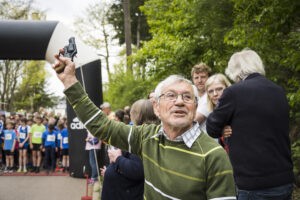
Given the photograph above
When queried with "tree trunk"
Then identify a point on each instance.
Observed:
(106, 51)
(127, 25)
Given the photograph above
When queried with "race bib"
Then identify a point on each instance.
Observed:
(51, 138)
(8, 136)
(37, 134)
(22, 135)
(59, 136)
(66, 140)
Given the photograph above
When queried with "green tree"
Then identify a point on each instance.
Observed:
(96, 31)
(139, 26)
(14, 94)
(30, 94)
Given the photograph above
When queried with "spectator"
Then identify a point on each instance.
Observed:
(49, 146)
(200, 74)
(93, 146)
(168, 150)
(23, 138)
(105, 107)
(35, 136)
(124, 176)
(214, 87)
(65, 148)
(258, 113)
(9, 137)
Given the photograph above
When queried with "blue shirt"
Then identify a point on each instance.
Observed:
(23, 133)
(49, 139)
(65, 138)
(59, 137)
(9, 138)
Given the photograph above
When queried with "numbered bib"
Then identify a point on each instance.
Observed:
(8, 136)
(37, 134)
(59, 136)
(22, 135)
(51, 138)
(65, 140)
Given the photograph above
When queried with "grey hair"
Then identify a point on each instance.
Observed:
(171, 80)
(243, 63)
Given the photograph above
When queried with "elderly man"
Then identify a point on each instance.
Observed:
(259, 146)
(180, 162)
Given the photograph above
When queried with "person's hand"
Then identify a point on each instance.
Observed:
(12, 150)
(227, 131)
(21, 145)
(67, 77)
(31, 146)
(113, 154)
(102, 171)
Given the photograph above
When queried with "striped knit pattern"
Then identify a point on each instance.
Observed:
(172, 170)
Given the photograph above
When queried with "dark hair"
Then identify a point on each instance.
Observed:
(120, 115)
(51, 127)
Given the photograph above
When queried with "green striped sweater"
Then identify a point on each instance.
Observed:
(172, 170)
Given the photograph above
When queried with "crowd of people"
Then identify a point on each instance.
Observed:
(203, 138)
(250, 157)
(30, 142)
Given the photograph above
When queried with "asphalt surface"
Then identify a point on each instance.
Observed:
(41, 188)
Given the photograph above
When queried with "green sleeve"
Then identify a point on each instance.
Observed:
(220, 181)
(115, 133)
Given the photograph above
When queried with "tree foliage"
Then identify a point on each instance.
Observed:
(96, 31)
(14, 94)
(186, 32)
(139, 25)
(30, 94)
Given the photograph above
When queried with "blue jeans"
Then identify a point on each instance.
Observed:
(283, 192)
(93, 164)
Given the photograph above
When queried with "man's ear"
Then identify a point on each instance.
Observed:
(156, 108)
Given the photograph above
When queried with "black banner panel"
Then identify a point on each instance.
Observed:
(89, 76)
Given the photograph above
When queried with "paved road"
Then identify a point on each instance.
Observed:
(41, 188)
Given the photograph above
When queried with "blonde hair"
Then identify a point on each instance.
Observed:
(244, 63)
(216, 78)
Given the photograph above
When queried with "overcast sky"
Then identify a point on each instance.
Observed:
(66, 12)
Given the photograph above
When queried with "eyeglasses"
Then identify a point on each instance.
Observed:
(171, 96)
(217, 90)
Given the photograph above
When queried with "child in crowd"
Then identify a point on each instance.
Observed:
(93, 146)
(23, 138)
(60, 127)
(49, 146)
(9, 137)
(64, 145)
(35, 136)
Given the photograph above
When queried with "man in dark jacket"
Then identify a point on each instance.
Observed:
(258, 113)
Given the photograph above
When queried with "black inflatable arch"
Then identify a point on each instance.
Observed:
(40, 40)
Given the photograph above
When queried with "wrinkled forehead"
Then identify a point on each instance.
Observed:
(178, 87)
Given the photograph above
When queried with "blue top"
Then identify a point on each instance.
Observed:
(1, 126)
(23, 133)
(49, 139)
(65, 138)
(9, 138)
(58, 137)
(124, 179)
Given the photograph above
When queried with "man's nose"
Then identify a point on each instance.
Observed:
(179, 99)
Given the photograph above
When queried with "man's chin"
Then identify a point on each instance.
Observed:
(180, 124)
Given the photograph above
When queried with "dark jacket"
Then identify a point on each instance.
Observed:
(259, 148)
(124, 179)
